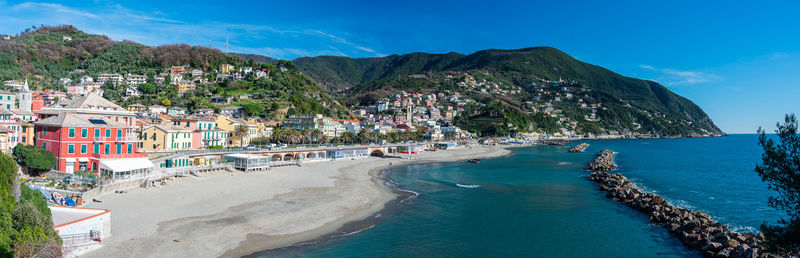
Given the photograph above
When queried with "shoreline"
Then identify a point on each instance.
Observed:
(260, 211)
(358, 226)
(355, 226)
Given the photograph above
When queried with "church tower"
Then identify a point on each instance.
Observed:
(25, 98)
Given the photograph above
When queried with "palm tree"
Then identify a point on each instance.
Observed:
(241, 132)
(316, 136)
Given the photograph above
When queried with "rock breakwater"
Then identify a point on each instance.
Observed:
(604, 161)
(579, 148)
(694, 228)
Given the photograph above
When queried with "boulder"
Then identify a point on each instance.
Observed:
(712, 246)
(732, 243)
(724, 253)
(751, 253)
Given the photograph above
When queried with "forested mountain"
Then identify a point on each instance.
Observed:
(622, 104)
(45, 55)
(257, 58)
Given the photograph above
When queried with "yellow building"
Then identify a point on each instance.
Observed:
(229, 124)
(226, 68)
(165, 137)
(26, 137)
(186, 86)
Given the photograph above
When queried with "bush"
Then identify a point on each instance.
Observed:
(25, 215)
(35, 158)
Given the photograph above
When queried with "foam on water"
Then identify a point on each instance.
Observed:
(468, 186)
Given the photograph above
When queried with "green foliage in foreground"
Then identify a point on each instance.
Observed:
(26, 226)
(35, 158)
(781, 169)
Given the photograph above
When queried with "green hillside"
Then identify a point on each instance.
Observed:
(628, 104)
(47, 54)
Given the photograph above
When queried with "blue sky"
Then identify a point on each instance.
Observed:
(738, 60)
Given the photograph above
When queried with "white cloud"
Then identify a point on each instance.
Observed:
(156, 28)
(52, 7)
(670, 76)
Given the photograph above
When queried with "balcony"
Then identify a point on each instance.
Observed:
(127, 138)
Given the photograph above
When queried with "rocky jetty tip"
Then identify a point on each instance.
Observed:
(579, 148)
(694, 228)
(604, 161)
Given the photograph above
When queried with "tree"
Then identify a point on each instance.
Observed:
(148, 88)
(780, 168)
(253, 108)
(166, 102)
(241, 132)
(35, 158)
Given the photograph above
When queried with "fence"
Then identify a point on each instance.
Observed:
(77, 239)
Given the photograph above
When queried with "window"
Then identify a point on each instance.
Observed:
(119, 148)
(108, 132)
(96, 133)
(84, 132)
(70, 148)
(119, 133)
(72, 133)
(96, 148)
(130, 148)
(44, 145)
(107, 149)
(83, 148)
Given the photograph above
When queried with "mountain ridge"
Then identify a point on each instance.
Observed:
(520, 67)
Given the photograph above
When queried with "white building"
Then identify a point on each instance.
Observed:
(81, 229)
(112, 77)
(87, 79)
(13, 84)
(197, 73)
(135, 79)
(132, 92)
(8, 100)
(157, 109)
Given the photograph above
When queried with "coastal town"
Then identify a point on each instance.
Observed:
(141, 130)
(100, 147)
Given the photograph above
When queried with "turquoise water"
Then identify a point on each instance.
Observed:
(537, 202)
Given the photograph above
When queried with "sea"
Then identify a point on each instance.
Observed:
(537, 202)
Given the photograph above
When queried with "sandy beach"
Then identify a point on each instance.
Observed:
(234, 214)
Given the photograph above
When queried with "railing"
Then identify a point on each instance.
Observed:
(102, 139)
(182, 153)
(77, 239)
(127, 138)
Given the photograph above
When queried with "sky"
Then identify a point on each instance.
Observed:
(738, 60)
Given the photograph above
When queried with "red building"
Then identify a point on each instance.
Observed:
(177, 69)
(96, 143)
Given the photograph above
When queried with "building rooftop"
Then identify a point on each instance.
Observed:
(79, 120)
(63, 216)
(90, 102)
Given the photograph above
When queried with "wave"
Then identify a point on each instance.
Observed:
(468, 186)
(564, 163)
(740, 229)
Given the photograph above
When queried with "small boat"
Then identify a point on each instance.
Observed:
(473, 161)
